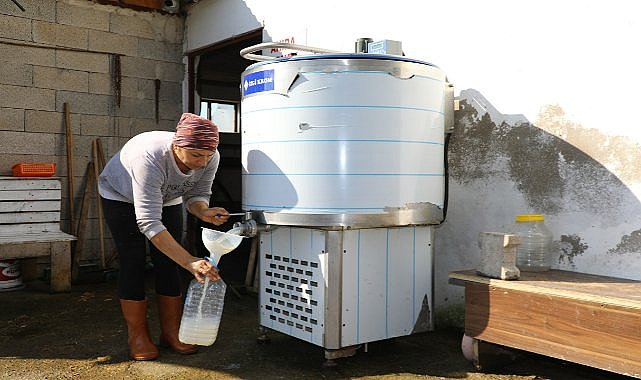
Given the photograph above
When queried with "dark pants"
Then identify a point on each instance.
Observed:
(132, 251)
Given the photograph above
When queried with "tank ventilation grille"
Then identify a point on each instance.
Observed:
(292, 299)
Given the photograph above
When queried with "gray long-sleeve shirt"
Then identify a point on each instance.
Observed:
(144, 172)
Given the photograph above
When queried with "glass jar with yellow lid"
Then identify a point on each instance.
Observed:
(534, 253)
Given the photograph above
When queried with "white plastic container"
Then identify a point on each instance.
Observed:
(204, 303)
(534, 253)
(202, 312)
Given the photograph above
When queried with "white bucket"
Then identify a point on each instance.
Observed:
(10, 276)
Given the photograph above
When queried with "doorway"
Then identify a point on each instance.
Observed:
(214, 75)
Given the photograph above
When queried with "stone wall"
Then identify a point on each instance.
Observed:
(120, 72)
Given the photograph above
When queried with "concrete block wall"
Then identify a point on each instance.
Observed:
(64, 51)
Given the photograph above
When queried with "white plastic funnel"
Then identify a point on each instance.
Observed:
(218, 243)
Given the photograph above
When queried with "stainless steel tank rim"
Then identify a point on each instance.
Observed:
(392, 218)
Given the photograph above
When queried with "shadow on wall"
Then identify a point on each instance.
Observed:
(553, 176)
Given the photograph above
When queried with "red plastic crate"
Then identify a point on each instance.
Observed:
(34, 169)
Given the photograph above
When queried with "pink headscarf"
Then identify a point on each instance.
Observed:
(196, 132)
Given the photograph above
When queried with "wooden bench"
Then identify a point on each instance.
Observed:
(582, 318)
(30, 225)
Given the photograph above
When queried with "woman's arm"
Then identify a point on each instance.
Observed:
(170, 247)
(213, 215)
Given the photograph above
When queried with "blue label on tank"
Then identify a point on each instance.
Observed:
(258, 81)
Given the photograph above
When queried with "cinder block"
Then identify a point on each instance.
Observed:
(159, 50)
(60, 79)
(49, 122)
(59, 35)
(12, 119)
(100, 83)
(113, 43)
(15, 28)
(498, 255)
(83, 61)
(147, 88)
(140, 26)
(150, 69)
(173, 28)
(28, 55)
(171, 91)
(21, 142)
(124, 126)
(150, 25)
(171, 72)
(16, 73)
(33, 9)
(85, 17)
(145, 125)
(93, 125)
(136, 108)
(27, 98)
(170, 110)
(83, 103)
(138, 67)
(129, 87)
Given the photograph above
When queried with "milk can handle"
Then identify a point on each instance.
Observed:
(247, 52)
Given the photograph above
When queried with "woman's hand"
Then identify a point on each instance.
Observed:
(214, 215)
(202, 268)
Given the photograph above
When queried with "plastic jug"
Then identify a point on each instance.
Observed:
(202, 312)
(534, 253)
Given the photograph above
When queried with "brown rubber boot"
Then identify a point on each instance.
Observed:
(170, 312)
(140, 345)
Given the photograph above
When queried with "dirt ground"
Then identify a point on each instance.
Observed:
(81, 335)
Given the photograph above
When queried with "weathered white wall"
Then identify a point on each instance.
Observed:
(568, 68)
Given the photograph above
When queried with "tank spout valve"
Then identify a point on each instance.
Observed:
(247, 228)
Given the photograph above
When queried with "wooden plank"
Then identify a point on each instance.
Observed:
(70, 177)
(18, 230)
(28, 195)
(25, 250)
(61, 266)
(566, 284)
(17, 239)
(596, 334)
(29, 183)
(101, 230)
(9, 219)
(21, 206)
(82, 222)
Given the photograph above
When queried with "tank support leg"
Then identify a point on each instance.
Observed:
(332, 355)
(262, 335)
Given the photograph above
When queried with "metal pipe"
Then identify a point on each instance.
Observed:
(18, 5)
(247, 52)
